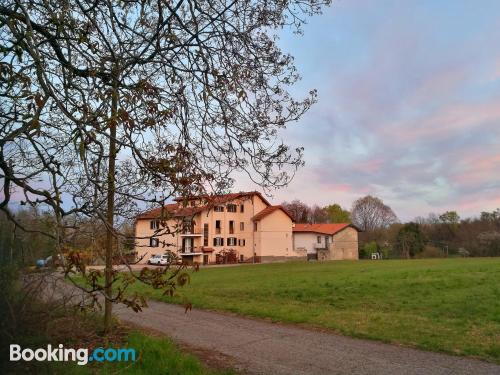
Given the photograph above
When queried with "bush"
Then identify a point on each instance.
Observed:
(369, 248)
(430, 252)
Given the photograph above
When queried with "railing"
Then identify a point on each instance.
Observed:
(191, 249)
(320, 246)
(190, 231)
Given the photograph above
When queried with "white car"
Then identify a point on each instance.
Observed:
(161, 260)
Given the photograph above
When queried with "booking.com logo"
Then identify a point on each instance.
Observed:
(80, 356)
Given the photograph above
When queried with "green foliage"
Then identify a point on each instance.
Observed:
(450, 217)
(368, 249)
(9, 299)
(155, 356)
(24, 248)
(336, 214)
(491, 216)
(410, 240)
(449, 305)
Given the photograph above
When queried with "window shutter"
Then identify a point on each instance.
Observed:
(215, 241)
(222, 241)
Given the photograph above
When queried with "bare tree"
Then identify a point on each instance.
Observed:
(299, 210)
(318, 215)
(110, 105)
(370, 213)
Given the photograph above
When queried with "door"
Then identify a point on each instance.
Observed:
(205, 259)
(187, 244)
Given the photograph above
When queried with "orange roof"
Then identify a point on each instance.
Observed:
(155, 213)
(172, 209)
(268, 210)
(322, 228)
(218, 199)
(177, 210)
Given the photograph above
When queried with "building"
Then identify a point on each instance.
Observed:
(201, 229)
(327, 241)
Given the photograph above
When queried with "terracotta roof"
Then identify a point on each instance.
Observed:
(218, 199)
(176, 210)
(322, 228)
(268, 210)
(172, 209)
(155, 213)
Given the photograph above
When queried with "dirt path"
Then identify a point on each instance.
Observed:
(259, 347)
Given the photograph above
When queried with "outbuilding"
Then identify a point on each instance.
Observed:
(327, 241)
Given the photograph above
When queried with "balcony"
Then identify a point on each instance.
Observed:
(320, 246)
(189, 232)
(191, 250)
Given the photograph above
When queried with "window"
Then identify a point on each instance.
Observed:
(231, 208)
(205, 234)
(255, 226)
(241, 242)
(217, 226)
(187, 226)
(242, 226)
(154, 224)
(318, 239)
(219, 208)
(231, 241)
(242, 208)
(154, 242)
(231, 226)
(218, 241)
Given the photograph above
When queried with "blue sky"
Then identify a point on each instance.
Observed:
(409, 106)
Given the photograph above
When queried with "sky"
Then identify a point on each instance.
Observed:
(409, 106)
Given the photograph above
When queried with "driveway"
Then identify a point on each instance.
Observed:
(260, 347)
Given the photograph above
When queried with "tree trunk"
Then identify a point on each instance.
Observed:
(108, 270)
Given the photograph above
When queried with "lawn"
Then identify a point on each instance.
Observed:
(154, 356)
(449, 305)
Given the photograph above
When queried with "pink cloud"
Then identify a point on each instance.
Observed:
(369, 166)
(444, 123)
(474, 169)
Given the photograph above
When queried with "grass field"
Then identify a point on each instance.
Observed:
(449, 305)
(154, 356)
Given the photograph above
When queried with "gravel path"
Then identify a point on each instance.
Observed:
(259, 347)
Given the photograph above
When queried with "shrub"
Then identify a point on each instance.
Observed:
(462, 252)
(430, 252)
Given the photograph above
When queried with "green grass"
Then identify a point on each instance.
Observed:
(449, 305)
(154, 356)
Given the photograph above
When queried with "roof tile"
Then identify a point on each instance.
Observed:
(322, 228)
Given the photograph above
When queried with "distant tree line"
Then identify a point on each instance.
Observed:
(367, 213)
(303, 213)
(437, 235)
(84, 235)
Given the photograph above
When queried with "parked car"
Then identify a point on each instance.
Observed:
(58, 262)
(162, 260)
(155, 259)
